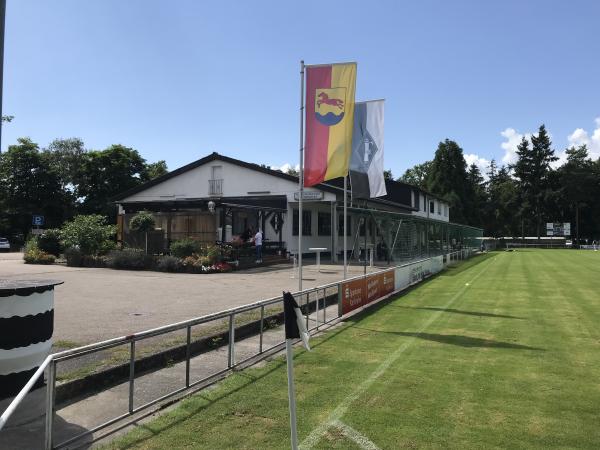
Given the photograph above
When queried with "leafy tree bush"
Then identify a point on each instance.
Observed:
(89, 233)
(143, 222)
(169, 264)
(74, 257)
(49, 242)
(38, 257)
(130, 258)
(184, 247)
(212, 253)
(29, 185)
(31, 245)
(33, 254)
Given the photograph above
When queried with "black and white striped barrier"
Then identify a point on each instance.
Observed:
(26, 326)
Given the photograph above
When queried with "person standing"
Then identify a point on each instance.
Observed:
(258, 237)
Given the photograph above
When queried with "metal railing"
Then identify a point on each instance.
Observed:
(316, 297)
(215, 187)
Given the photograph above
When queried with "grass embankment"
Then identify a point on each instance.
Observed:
(501, 351)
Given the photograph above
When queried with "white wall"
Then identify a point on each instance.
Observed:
(444, 216)
(237, 182)
(314, 240)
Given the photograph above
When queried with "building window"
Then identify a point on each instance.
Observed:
(324, 224)
(306, 223)
(432, 207)
(341, 226)
(439, 209)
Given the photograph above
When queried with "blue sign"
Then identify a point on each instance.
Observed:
(38, 221)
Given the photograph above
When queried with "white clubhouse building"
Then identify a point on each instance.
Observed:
(217, 198)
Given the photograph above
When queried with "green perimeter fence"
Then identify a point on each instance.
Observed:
(403, 237)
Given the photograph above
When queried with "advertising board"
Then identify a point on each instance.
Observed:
(408, 275)
(357, 293)
(353, 295)
(360, 292)
(558, 229)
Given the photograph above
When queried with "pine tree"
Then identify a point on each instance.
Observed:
(476, 196)
(532, 169)
(576, 182)
(492, 170)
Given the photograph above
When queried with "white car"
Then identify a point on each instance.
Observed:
(4, 244)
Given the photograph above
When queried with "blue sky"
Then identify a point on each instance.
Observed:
(180, 79)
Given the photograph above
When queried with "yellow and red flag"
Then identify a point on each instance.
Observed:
(329, 121)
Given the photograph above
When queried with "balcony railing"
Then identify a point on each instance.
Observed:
(215, 187)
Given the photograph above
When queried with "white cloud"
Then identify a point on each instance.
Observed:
(480, 162)
(513, 139)
(285, 167)
(581, 136)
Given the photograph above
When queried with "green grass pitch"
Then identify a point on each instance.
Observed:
(500, 352)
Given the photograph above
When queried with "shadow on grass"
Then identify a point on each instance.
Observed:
(449, 271)
(458, 311)
(459, 340)
(152, 429)
(181, 415)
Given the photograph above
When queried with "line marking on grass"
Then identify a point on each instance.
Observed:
(359, 439)
(313, 438)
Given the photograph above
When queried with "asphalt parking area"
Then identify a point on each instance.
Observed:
(97, 304)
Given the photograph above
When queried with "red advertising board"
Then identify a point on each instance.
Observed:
(353, 295)
(357, 293)
(379, 284)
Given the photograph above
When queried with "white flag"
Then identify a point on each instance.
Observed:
(366, 163)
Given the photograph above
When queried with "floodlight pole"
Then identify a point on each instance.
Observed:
(301, 176)
(345, 224)
(2, 26)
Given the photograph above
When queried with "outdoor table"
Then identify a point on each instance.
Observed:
(318, 250)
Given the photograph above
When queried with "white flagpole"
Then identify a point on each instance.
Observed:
(291, 392)
(300, 179)
(345, 225)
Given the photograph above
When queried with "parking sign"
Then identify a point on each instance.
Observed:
(38, 220)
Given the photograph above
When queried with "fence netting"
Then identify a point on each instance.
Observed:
(403, 237)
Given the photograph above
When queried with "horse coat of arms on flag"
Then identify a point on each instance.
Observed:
(330, 105)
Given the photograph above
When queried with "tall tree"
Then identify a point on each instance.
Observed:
(577, 187)
(155, 170)
(387, 174)
(533, 169)
(492, 170)
(66, 157)
(417, 175)
(29, 186)
(105, 174)
(502, 200)
(447, 178)
(475, 199)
